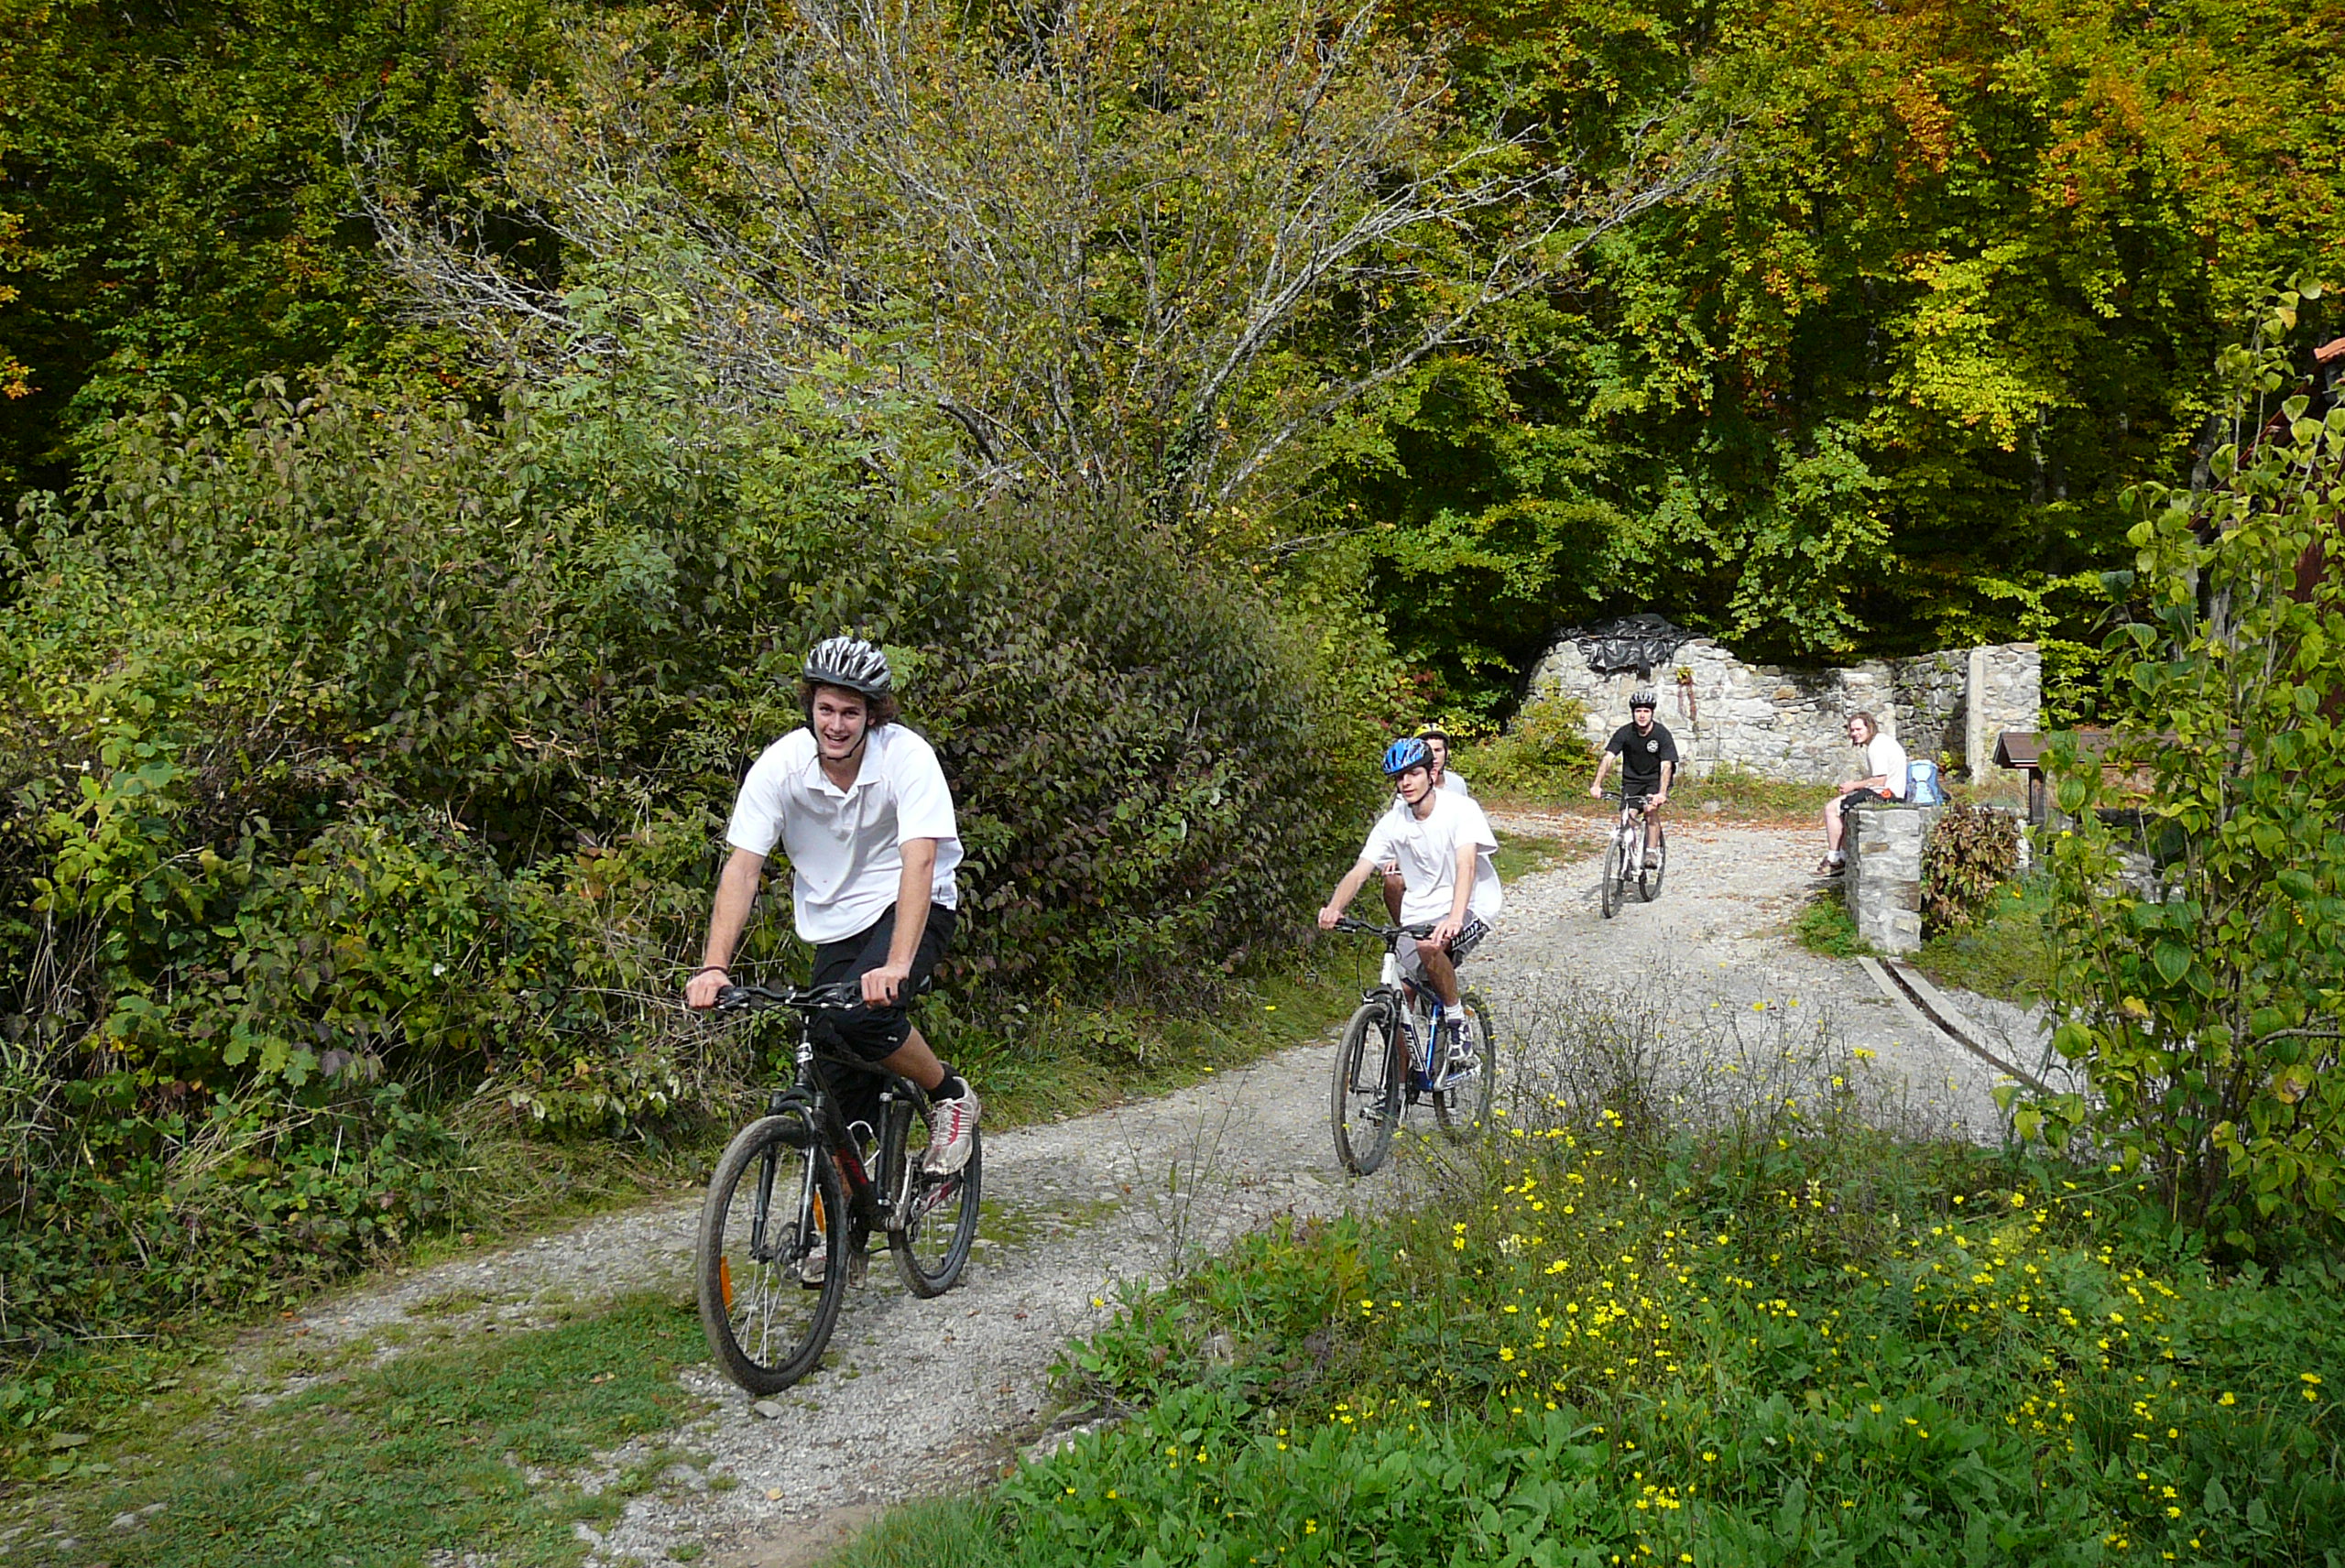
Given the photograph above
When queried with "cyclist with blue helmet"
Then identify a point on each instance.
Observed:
(1443, 845)
(1436, 740)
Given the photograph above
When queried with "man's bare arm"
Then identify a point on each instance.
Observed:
(736, 895)
(881, 986)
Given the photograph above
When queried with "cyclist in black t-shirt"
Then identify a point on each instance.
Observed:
(1647, 762)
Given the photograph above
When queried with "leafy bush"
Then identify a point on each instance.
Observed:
(1543, 751)
(359, 743)
(1971, 852)
(2201, 986)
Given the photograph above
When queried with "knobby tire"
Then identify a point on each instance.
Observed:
(1649, 879)
(1464, 1108)
(1367, 1078)
(936, 1215)
(765, 1327)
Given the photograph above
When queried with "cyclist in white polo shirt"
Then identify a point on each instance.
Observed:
(861, 807)
(1443, 845)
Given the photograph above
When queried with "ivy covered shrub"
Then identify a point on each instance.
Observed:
(1971, 852)
(367, 757)
(1543, 751)
(2200, 929)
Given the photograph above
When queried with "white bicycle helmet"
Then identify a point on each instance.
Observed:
(1643, 697)
(851, 664)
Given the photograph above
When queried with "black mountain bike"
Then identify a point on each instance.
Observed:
(792, 1207)
(1627, 840)
(1384, 1064)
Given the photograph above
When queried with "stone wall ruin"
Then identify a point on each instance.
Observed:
(1787, 723)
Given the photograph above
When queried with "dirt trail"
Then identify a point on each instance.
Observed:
(927, 1396)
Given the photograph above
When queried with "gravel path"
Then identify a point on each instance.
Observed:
(929, 1396)
(1716, 940)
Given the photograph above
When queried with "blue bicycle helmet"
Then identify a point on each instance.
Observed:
(1404, 754)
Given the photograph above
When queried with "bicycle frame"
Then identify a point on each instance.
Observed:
(1631, 815)
(1400, 995)
(810, 1100)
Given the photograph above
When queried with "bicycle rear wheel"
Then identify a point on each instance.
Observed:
(1649, 879)
(1463, 1106)
(773, 1204)
(936, 1217)
(1365, 1099)
(1611, 887)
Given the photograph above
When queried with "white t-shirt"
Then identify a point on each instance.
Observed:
(846, 846)
(1884, 755)
(1426, 848)
(1454, 783)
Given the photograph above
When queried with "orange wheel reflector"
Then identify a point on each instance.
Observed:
(724, 1282)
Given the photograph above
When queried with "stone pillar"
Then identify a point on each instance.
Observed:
(1884, 882)
(1978, 745)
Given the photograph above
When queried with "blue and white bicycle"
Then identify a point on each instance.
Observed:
(1390, 1058)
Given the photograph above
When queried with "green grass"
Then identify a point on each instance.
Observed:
(1739, 796)
(1824, 926)
(1521, 853)
(2008, 954)
(383, 1465)
(1916, 1351)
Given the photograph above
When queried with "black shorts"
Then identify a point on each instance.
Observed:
(1636, 795)
(868, 1034)
(1855, 798)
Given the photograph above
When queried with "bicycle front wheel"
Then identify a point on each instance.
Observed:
(1462, 1105)
(773, 1217)
(1365, 1101)
(1611, 886)
(934, 1217)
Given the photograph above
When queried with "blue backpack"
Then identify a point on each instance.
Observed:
(1922, 785)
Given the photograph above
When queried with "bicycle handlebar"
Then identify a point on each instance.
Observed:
(1388, 933)
(806, 998)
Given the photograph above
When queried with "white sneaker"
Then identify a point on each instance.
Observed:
(953, 1127)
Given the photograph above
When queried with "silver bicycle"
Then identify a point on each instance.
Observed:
(1627, 849)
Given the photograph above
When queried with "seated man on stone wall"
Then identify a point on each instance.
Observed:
(1885, 780)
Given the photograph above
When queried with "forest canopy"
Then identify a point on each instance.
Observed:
(1821, 327)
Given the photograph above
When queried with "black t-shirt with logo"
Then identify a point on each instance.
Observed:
(1642, 756)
